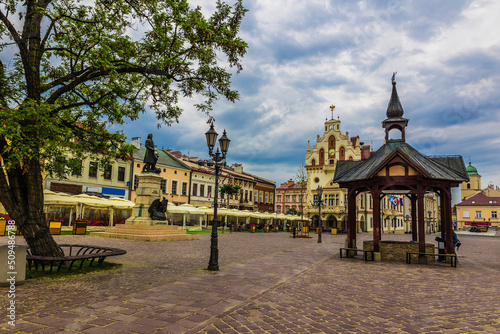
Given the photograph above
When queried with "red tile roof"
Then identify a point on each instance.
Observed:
(481, 199)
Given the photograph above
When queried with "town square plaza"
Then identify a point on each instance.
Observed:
(267, 283)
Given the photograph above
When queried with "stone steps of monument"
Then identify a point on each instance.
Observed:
(145, 237)
(146, 230)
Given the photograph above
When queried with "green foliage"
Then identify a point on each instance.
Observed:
(230, 189)
(294, 212)
(80, 68)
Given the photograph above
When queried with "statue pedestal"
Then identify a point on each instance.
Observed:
(140, 226)
(147, 191)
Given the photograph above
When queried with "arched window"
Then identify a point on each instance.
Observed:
(331, 142)
(313, 162)
(468, 185)
(351, 158)
(321, 157)
(342, 153)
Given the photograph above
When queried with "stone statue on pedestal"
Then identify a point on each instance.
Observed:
(151, 156)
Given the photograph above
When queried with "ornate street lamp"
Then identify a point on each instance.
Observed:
(320, 201)
(219, 159)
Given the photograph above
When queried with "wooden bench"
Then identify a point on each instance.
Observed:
(80, 227)
(453, 257)
(365, 252)
(71, 254)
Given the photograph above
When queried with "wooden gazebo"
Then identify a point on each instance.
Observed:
(398, 168)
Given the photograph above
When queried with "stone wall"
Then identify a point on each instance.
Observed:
(396, 250)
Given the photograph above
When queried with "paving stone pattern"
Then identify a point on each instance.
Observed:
(268, 283)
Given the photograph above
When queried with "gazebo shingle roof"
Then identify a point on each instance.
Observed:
(449, 168)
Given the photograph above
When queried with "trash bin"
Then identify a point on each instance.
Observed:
(334, 230)
(441, 250)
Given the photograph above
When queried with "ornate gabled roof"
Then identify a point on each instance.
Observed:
(449, 168)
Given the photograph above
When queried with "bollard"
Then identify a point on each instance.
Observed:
(12, 265)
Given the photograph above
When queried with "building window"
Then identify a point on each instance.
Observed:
(250, 196)
(342, 153)
(321, 157)
(163, 186)
(468, 185)
(494, 214)
(260, 196)
(93, 169)
(267, 198)
(331, 142)
(279, 198)
(195, 189)
(209, 191)
(136, 182)
(174, 188)
(466, 214)
(184, 188)
(107, 172)
(288, 198)
(331, 200)
(478, 214)
(202, 190)
(246, 195)
(313, 162)
(121, 173)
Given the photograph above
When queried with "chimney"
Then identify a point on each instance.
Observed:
(238, 168)
(290, 182)
(136, 141)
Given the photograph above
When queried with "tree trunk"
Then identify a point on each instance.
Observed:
(22, 196)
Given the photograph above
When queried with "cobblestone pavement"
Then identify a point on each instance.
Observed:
(268, 283)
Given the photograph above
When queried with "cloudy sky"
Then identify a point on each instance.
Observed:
(304, 56)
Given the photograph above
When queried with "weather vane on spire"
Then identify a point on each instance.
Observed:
(332, 107)
(394, 77)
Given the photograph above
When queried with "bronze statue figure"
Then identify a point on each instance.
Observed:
(151, 156)
(158, 208)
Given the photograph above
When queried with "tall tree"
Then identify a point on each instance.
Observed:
(80, 66)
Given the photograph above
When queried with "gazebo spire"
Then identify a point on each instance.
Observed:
(394, 109)
(395, 119)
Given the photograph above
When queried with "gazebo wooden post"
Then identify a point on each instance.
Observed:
(443, 212)
(420, 217)
(376, 221)
(447, 221)
(414, 217)
(351, 218)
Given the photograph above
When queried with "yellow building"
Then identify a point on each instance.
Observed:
(478, 207)
(479, 210)
(474, 185)
(320, 161)
(113, 181)
(175, 174)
